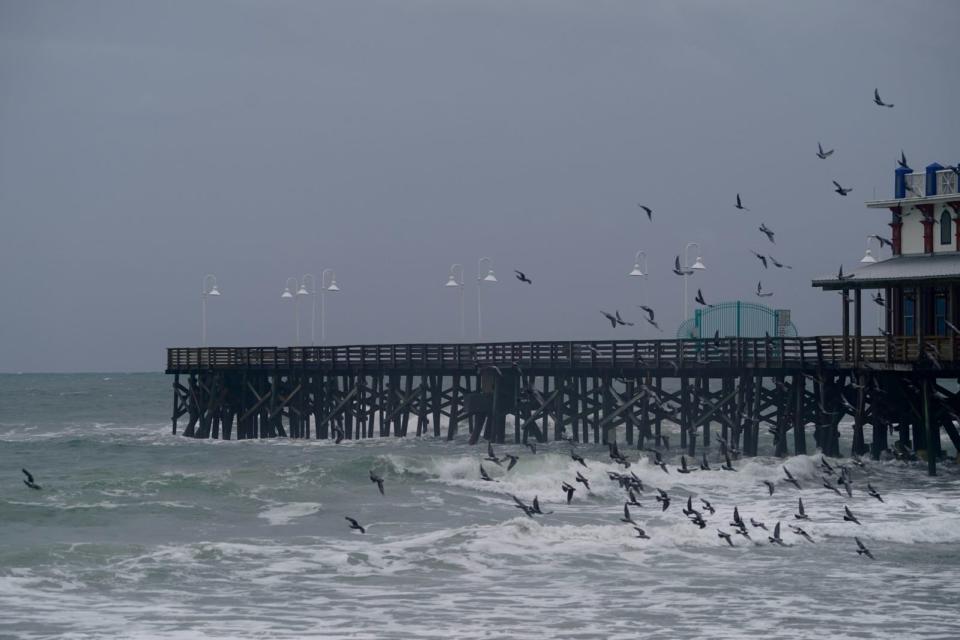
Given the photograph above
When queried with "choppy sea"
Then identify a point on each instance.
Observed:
(137, 533)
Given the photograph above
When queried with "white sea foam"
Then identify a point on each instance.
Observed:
(283, 513)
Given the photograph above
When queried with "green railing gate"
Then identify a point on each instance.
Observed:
(738, 320)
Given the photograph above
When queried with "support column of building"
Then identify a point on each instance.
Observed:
(846, 320)
(896, 227)
(857, 323)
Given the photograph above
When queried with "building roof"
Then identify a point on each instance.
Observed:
(898, 269)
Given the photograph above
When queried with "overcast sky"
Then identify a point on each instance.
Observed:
(145, 144)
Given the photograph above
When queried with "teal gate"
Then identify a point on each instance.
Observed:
(738, 320)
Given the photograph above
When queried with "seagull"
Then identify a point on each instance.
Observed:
(699, 299)
(779, 265)
(801, 532)
(704, 464)
(728, 465)
(770, 486)
(823, 155)
(512, 458)
(29, 480)
(577, 458)
(775, 538)
(491, 456)
(848, 515)
(884, 242)
(339, 432)
(647, 310)
(761, 293)
(737, 521)
(761, 258)
(536, 507)
(826, 483)
(877, 101)
(611, 318)
(698, 520)
(725, 536)
(378, 480)
(862, 550)
(873, 492)
(840, 275)
(355, 525)
(790, 478)
(663, 499)
(708, 506)
(621, 321)
(527, 510)
(484, 476)
(739, 204)
(569, 490)
(658, 460)
(802, 515)
(683, 465)
(648, 211)
(641, 533)
(902, 162)
(653, 324)
(633, 498)
(766, 231)
(583, 480)
(842, 191)
(532, 447)
(676, 267)
(522, 277)
(626, 515)
(689, 510)
(878, 299)
(756, 524)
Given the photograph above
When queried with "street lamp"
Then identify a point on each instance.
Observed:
(204, 292)
(306, 291)
(689, 269)
(324, 287)
(294, 294)
(487, 278)
(640, 259)
(868, 256)
(452, 281)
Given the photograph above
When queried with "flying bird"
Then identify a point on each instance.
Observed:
(878, 299)
(862, 549)
(708, 506)
(29, 481)
(775, 538)
(677, 269)
(826, 483)
(884, 242)
(737, 521)
(484, 476)
(699, 299)
(648, 211)
(522, 277)
(527, 510)
(728, 465)
(877, 101)
(761, 258)
(841, 190)
(378, 480)
(801, 515)
(611, 318)
(663, 499)
(756, 524)
(823, 155)
(704, 464)
(641, 533)
(801, 532)
(873, 492)
(840, 275)
(647, 310)
(770, 486)
(583, 480)
(739, 204)
(621, 320)
(626, 515)
(683, 465)
(491, 456)
(512, 458)
(725, 536)
(658, 460)
(779, 265)
(790, 478)
(355, 525)
(578, 458)
(848, 515)
(766, 231)
(761, 293)
(902, 162)
(569, 490)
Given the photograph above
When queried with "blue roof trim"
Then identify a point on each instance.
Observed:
(899, 187)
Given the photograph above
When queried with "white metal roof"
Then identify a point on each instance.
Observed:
(935, 266)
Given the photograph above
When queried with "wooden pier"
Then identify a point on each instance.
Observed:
(743, 389)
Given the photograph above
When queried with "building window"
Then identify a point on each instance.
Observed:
(940, 312)
(946, 228)
(909, 313)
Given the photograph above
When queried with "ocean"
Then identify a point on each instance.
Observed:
(137, 533)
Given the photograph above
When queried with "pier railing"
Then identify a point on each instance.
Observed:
(620, 354)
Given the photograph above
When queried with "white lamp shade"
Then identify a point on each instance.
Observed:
(286, 293)
(214, 291)
(302, 291)
(868, 257)
(637, 271)
(333, 285)
(698, 264)
(452, 282)
(490, 277)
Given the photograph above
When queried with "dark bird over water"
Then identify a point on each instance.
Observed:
(641, 533)
(663, 499)
(775, 538)
(761, 258)
(877, 101)
(902, 162)
(737, 520)
(727, 466)
(658, 460)
(512, 458)
(491, 456)
(790, 478)
(648, 211)
(862, 549)
(840, 275)
(577, 458)
(354, 524)
(704, 464)
(708, 506)
(739, 204)
(823, 155)
(873, 492)
(527, 510)
(826, 483)
(766, 231)
(770, 486)
(848, 515)
(801, 532)
(29, 480)
(725, 536)
(569, 490)
(756, 524)
(378, 480)
(626, 515)
(522, 277)
(801, 514)
(683, 465)
(698, 520)
(484, 476)
(583, 480)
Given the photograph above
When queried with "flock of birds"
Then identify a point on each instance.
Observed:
(634, 487)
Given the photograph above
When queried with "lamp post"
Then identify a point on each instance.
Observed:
(452, 281)
(324, 287)
(640, 259)
(204, 292)
(869, 259)
(688, 270)
(487, 278)
(295, 296)
(310, 291)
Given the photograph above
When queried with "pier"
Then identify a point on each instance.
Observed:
(742, 389)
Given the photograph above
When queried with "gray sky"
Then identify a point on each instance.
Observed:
(144, 144)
